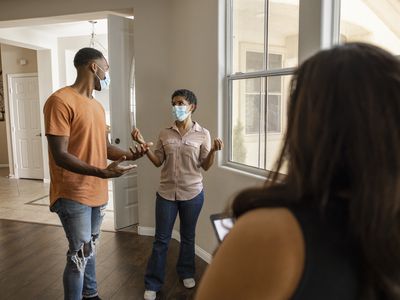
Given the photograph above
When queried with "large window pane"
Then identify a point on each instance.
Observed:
(247, 32)
(376, 22)
(283, 33)
(252, 112)
(248, 136)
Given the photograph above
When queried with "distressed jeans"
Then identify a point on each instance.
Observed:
(166, 212)
(82, 228)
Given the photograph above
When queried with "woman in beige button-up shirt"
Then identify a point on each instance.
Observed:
(181, 150)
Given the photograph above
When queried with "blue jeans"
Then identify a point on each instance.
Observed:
(82, 228)
(166, 212)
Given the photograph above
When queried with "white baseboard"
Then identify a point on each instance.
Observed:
(200, 252)
(3, 165)
(147, 231)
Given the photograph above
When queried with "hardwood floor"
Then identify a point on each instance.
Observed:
(32, 259)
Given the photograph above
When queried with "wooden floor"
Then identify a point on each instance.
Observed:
(32, 259)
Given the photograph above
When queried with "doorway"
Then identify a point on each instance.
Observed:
(25, 125)
(123, 204)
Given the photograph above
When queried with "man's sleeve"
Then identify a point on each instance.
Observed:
(57, 117)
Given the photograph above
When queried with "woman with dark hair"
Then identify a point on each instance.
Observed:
(182, 149)
(330, 229)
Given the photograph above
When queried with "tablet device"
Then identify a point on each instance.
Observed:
(222, 224)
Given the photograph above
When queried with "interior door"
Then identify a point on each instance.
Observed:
(25, 125)
(120, 56)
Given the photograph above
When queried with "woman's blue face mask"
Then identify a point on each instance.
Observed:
(180, 113)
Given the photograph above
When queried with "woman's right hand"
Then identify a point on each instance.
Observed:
(137, 136)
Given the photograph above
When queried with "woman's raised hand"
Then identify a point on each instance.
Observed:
(137, 136)
(218, 144)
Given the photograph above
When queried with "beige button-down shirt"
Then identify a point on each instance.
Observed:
(182, 157)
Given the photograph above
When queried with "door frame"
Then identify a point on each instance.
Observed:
(12, 119)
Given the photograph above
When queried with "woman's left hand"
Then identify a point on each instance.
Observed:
(217, 145)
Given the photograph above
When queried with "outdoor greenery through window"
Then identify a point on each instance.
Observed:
(263, 47)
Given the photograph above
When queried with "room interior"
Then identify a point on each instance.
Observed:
(176, 44)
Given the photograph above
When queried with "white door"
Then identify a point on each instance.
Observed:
(120, 55)
(25, 125)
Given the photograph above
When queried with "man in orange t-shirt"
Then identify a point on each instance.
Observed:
(78, 152)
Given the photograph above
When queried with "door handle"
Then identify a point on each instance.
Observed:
(117, 140)
(40, 134)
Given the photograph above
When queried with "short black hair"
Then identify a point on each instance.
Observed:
(188, 95)
(86, 55)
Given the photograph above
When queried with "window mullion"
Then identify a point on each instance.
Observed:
(265, 111)
(266, 16)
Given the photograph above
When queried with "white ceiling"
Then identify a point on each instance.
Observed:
(78, 28)
(68, 25)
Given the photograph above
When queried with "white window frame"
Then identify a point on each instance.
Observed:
(318, 29)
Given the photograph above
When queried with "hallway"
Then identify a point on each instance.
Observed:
(27, 200)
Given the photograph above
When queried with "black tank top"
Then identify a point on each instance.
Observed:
(331, 269)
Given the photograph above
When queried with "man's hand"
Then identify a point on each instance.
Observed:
(116, 170)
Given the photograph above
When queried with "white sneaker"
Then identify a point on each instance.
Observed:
(149, 295)
(189, 283)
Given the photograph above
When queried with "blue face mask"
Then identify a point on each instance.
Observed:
(180, 112)
(104, 83)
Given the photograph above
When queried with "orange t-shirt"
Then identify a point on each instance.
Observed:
(67, 113)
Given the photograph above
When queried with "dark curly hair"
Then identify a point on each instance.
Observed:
(188, 95)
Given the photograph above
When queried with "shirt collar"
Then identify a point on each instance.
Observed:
(195, 127)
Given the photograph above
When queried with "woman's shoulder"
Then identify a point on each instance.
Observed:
(199, 128)
(275, 226)
(264, 251)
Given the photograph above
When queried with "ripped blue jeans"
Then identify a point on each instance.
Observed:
(82, 228)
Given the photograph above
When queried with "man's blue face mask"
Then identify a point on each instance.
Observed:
(104, 83)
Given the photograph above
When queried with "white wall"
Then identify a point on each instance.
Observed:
(46, 84)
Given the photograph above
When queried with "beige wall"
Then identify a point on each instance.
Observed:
(176, 45)
(192, 42)
(10, 56)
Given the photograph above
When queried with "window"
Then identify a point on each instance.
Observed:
(255, 95)
(376, 22)
(263, 51)
(263, 48)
